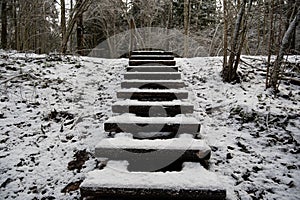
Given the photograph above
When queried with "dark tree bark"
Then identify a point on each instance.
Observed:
(229, 72)
(80, 30)
(63, 19)
(4, 24)
(275, 75)
(76, 13)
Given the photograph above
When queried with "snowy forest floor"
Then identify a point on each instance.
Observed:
(52, 111)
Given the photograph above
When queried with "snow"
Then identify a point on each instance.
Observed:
(133, 90)
(254, 137)
(115, 175)
(175, 143)
(153, 73)
(128, 118)
(129, 102)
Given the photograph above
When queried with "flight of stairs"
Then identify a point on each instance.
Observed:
(154, 149)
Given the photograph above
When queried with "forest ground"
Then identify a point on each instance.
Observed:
(52, 111)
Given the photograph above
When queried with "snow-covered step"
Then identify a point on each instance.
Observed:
(152, 94)
(152, 57)
(152, 76)
(153, 108)
(153, 84)
(151, 53)
(130, 123)
(115, 181)
(152, 68)
(152, 62)
(152, 155)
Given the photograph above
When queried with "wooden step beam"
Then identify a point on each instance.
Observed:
(153, 84)
(153, 109)
(152, 68)
(152, 76)
(152, 57)
(152, 95)
(130, 123)
(153, 155)
(115, 181)
(151, 53)
(152, 62)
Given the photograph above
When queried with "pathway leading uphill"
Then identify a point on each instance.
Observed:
(153, 148)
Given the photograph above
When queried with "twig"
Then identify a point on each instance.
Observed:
(76, 121)
(19, 76)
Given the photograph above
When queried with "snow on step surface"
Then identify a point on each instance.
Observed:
(152, 62)
(153, 108)
(193, 182)
(152, 94)
(152, 69)
(130, 123)
(153, 154)
(152, 57)
(153, 84)
(151, 53)
(152, 75)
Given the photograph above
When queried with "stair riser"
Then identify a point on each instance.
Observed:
(144, 160)
(147, 85)
(143, 111)
(152, 62)
(150, 194)
(136, 128)
(151, 53)
(147, 57)
(152, 69)
(175, 76)
(145, 96)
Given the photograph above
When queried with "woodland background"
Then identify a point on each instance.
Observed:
(253, 27)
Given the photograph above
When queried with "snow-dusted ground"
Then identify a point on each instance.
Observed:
(52, 110)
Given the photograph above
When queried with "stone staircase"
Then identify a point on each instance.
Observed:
(154, 149)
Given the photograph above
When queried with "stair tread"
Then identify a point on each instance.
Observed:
(154, 81)
(134, 90)
(151, 53)
(128, 118)
(181, 143)
(193, 179)
(151, 103)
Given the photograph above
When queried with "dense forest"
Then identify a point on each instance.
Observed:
(254, 27)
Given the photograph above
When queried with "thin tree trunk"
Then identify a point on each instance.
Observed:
(282, 51)
(63, 20)
(229, 72)
(77, 11)
(16, 33)
(271, 12)
(80, 31)
(4, 24)
(186, 26)
(243, 37)
(225, 33)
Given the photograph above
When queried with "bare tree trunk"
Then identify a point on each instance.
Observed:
(229, 72)
(186, 26)
(4, 24)
(271, 13)
(63, 20)
(80, 31)
(16, 33)
(225, 33)
(243, 37)
(77, 11)
(282, 51)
